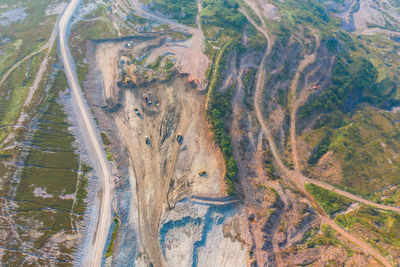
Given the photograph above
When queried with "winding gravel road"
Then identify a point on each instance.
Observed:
(87, 128)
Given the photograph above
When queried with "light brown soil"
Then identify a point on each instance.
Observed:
(164, 170)
(107, 60)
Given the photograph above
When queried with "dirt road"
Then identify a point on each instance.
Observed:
(87, 128)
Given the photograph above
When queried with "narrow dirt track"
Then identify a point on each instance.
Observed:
(259, 85)
(48, 45)
(308, 59)
(87, 128)
(138, 7)
(38, 78)
(352, 196)
(294, 176)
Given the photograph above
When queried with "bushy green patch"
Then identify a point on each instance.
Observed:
(114, 235)
(394, 199)
(219, 108)
(353, 81)
(184, 11)
(224, 14)
(249, 79)
(381, 226)
(295, 14)
(316, 237)
(331, 202)
(320, 150)
(155, 64)
(255, 40)
(366, 148)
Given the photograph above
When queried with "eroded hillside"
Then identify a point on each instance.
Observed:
(238, 133)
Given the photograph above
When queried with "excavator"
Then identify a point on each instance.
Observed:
(131, 68)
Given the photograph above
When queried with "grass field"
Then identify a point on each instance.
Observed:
(50, 192)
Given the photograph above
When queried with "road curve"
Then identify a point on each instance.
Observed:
(87, 129)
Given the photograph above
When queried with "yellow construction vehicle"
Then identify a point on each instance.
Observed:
(203, 173)
(131, 68)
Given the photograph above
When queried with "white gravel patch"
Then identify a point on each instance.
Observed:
(11, 16)
(41, 192)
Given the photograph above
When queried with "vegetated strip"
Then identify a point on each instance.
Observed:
(331, 202)
(217, 109)
(114, 235)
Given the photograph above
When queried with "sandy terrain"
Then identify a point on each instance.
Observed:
(164, 165)
(107, 58)
(190, 58)
(165, 170)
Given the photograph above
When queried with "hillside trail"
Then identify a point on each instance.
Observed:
(308, 60)
(294, 176)
(46, 46)
(260, 78)
(38, 78)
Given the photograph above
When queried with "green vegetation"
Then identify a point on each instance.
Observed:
(381, 228)
(21, 38)
(114, 235)
(156, 64)
(107, 145)
(221, 22)
(319, 150)
(51, 162)
(317, 237)
(366, 149)
(331, 202)
(345, 115)
(16, 89)
(249, 79)
(354, 79)
(394, 199)
(296, 14)
(49, 196)
(250, 12)
(218, 110)
(184, 11)
(224, 14)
